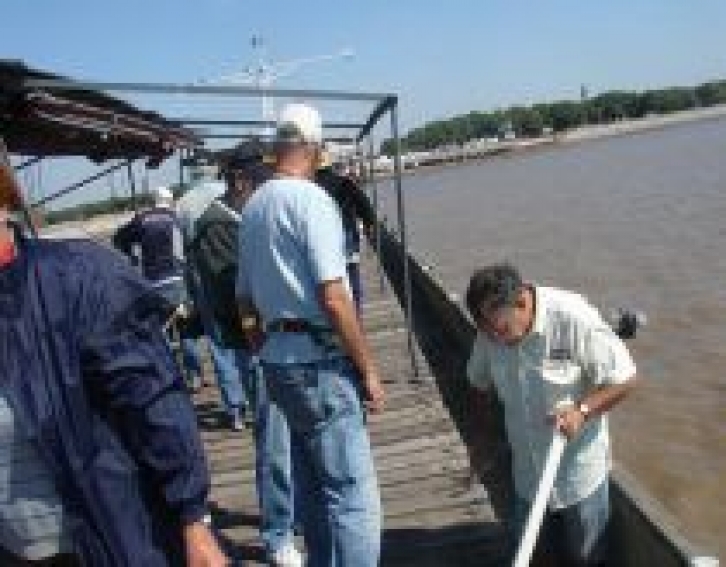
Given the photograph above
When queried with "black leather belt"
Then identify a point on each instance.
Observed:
(289, 326)
(321, 335)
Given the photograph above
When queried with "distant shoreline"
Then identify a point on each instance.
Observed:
(101, 224)
(652, 122)
(574, 136)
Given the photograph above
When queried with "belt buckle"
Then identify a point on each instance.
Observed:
(294, 326)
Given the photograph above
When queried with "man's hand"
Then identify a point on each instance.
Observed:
(370, 232)
(184, 310)
(336, 302)
(201, 547)
(250, 324)
(375, 395)
(569, 421)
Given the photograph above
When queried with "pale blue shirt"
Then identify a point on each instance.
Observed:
(569, 351)
(291, 241)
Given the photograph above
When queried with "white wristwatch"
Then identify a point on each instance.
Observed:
(584, 409)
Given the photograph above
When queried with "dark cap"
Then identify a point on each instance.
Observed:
(246, 158)
(252, 150)
(257, 172)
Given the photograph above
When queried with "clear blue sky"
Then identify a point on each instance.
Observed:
(442, 58)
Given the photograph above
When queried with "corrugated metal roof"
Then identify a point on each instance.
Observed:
(57, 122)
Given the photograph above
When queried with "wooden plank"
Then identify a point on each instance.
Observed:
(390, 471)
(442, 486)
(408, 452)
(436, 513)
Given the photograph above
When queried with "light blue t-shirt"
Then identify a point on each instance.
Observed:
(291, 241)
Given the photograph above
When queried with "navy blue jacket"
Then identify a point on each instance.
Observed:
(352, 202)
(155, 231)
(92, 382)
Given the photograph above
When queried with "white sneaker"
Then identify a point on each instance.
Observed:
(287, 556)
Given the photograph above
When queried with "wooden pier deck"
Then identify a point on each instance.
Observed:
(435, 512)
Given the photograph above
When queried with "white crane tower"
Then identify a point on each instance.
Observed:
(264, 74)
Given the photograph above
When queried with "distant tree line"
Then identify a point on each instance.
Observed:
(533, 121)
(109, 206)
(90, 210)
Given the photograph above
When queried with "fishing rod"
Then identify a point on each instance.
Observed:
(539, 504)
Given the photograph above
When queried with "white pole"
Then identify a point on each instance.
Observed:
(537, 511)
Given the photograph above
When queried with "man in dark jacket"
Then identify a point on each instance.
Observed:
(213, 248)
(91, 395)
(212, 256)
(156, 233)
(354, 206)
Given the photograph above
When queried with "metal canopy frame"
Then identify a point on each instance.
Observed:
(202, 122)
(384, 103)
(79, 184)
(29, 162)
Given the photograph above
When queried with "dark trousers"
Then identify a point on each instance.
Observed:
(7, 559)
(578, 534)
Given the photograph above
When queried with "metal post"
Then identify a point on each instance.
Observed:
(28, 163)
(75, 186)
(376, 208)
(39, 178)
(132, 184)
(181, 168)
(402, 234)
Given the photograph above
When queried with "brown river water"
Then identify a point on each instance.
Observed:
(638, 221)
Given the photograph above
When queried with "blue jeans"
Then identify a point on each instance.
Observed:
(232, 371)
(191, 358)
(273, 468)
(174, 293)
(339, 502)
(231, 368)
(577, 533)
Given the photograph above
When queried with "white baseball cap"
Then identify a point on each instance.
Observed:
(299, 123)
